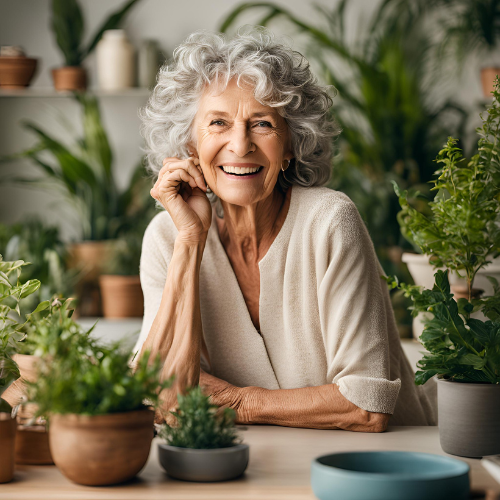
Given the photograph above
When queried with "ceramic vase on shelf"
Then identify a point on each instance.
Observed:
(115, 61)
(148, 63)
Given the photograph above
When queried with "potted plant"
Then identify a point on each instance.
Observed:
(68, 26)
(84, 174)
(98, 408)
(121, 290)
(203, 445)
(10, 335)
(461, 235)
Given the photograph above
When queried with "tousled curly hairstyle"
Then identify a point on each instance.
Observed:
(280, 77)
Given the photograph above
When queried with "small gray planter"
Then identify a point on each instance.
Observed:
(219, 464)
(469, 418)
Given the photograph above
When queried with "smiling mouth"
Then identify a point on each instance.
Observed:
(242, 175)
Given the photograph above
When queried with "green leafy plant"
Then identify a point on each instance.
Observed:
(460, 347)
(41, 246)
(80, 375)
(84, 175)
(461, 234)
(68, 26)
(10, 326)
(200, 424)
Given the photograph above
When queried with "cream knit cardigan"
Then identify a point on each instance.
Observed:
(325, 313)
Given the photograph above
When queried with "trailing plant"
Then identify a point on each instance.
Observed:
(84, 175)
(462, 233)
(10, 326)
(460, 347)
(68, 26)
(200, 424)
(87, 377)
(41, 246)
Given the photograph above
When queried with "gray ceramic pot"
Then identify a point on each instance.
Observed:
(469, 418)
(219, 464)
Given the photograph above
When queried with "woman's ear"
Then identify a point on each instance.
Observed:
(192, 150)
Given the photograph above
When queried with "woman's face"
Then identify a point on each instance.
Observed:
(232, 129)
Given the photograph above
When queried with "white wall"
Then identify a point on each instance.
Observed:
(26, 23)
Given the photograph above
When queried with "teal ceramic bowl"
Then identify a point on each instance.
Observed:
(389, 475)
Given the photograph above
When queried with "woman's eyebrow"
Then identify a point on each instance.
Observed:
(258, 114)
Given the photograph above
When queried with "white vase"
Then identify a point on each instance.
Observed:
(115, 61)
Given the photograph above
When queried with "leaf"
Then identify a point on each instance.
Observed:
(472, 359)
(67, 24)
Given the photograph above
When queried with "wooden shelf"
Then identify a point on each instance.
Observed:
(51, 92)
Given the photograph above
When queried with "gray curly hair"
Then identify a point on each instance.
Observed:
(281, 78)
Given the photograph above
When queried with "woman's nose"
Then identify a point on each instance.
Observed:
(240, 142)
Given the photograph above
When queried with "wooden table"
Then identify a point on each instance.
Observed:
(279, 468)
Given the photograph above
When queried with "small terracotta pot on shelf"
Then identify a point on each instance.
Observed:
(8, 427)
(16, 72)
(487, 78)
(121, 296)
(101, 450)
(69, 78)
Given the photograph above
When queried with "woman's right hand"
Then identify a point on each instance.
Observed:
(181, 189)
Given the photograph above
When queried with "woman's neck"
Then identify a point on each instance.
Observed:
(248, 232)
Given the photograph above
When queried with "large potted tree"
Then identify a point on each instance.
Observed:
(462, 234)
(10, 335)
(68, 26)
(202, 444)
(98, 408)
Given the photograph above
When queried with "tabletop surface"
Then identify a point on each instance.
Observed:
(279, 468)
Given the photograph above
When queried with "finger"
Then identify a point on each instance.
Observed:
(180, 175)
(188, 166)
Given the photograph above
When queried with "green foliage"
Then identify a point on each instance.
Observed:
(391, 125)
(10, 327)
(200, 424)
(85, 177)
(42, 247)
(462, 232)
(79, 375)
(68, 26)
(460, 348)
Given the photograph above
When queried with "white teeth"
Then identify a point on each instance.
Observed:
(239, 170)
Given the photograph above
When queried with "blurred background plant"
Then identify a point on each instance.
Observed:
(42, 247)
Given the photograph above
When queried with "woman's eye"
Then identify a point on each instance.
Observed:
(216, 122)
(263, 124)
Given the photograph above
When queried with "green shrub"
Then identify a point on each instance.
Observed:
(200, 424)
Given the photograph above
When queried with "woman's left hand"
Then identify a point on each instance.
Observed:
(222, 393)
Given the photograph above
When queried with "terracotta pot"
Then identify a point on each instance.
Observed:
(7, 446)
(16, 72)
(90, 257)
(70, 78)
(102, 449)
(487, 78)
(462, 292)
(121, 296)
(27, 368)
(32, 446)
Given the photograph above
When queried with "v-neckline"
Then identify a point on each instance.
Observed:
(279, 236)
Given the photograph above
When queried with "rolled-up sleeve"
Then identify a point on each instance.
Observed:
(353, 316)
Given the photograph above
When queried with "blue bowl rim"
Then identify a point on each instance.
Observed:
(459, 464)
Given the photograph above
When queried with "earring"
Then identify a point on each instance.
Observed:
(287, 165)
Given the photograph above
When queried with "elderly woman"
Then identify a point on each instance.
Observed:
(273, 301)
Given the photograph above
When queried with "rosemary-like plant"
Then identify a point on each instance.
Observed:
(200, 424)
(77, 374)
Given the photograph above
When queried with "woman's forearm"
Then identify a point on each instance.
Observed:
(176, 333)
(320, 407)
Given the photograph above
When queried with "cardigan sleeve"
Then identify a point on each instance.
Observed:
(353, 315)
